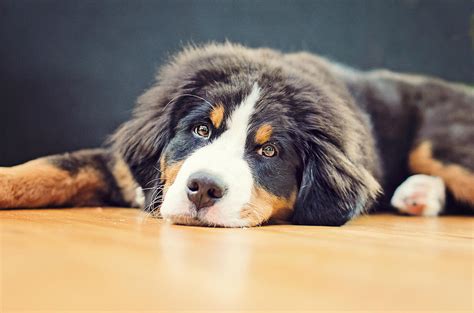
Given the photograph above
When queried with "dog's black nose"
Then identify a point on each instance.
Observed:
(204, 189)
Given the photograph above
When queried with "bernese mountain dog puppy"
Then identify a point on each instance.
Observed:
(233, 136)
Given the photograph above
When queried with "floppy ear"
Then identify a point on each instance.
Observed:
(142, 139)
(333, 189)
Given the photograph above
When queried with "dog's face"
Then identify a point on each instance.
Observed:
(231, 161)
(228, 139)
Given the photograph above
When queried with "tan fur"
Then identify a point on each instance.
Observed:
(125, 180)
(263, 134)
(459, 180)
(169, 173)
(38, 183)
(264, 205)
(217, 115)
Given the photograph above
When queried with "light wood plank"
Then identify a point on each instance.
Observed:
(118, 259)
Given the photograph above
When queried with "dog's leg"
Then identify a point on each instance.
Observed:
(443, 149)
(83, 178)
(458, 178)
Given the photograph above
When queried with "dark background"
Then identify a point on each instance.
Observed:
(70, 70)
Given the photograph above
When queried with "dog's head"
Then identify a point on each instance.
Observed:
(231, 136)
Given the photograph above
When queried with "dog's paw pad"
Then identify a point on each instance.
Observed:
(420, 195)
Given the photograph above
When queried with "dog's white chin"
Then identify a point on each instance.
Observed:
(205, 217)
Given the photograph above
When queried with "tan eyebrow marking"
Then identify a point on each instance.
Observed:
(217, 115)
(263, 133)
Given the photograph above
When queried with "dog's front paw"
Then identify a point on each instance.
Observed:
(420, 195)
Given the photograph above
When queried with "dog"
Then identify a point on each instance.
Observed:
(233, 136)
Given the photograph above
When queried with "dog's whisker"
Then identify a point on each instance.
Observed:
(190, 95)
(155, 198)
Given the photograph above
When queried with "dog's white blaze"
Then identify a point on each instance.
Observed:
(235, 136)
(224, 158)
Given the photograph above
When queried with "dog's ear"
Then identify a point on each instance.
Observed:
(141, 140)
(333, 189)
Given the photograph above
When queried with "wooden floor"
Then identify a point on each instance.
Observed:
(118, 259)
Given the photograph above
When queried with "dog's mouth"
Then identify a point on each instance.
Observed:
(204, 217)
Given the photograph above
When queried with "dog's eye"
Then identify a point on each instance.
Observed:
(202, 130)
(267, 150)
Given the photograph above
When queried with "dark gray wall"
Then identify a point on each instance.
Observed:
(70, 70)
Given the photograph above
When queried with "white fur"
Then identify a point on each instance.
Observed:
(139, 197)
(432, 188)
(224, 157)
